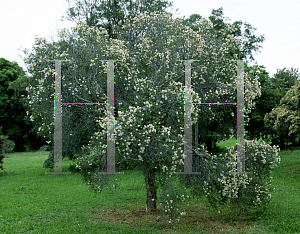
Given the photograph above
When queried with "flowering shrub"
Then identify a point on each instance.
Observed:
(247, 190)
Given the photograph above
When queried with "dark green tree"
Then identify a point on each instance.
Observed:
(257, 128)
(112, 14)
(2, 155)
(283, 80)
(286, 117)
(13, 110)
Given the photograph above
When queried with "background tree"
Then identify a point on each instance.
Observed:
(2, 155)
(283, 80)
(264, 104)
(286, 118)
(112, 14)
(13, 111)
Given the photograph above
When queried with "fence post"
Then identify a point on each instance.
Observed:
(57, 121)
(240, 118)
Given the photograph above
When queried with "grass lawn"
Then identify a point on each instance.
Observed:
(32, 202)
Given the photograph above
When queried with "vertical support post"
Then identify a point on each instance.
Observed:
(111, 118)
(188, 148)
(57, 122)
(196, 135)
(187, 119)
(240, 117)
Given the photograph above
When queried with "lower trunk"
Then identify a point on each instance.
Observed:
(151, 191)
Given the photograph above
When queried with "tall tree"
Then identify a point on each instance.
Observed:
(12, 110)
(153, 72)
(2, 155)
(159, 42)
(263, 104)
(286, 118)
(283, 80)
(112, 14)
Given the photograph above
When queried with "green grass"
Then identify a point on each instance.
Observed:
(33, 202)
(221, 146)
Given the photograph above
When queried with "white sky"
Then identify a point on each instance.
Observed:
(277, 19)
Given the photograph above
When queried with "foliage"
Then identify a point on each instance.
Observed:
(155, 115)
(228, 41)
(8, 145)
(2, 151)
(173, 196)
(49, 162)
(44, 148)
(89, 167)
(244, 190)
(246, 41)
(285, 118)
(257, 128)
(13, 110)
(272, 90)
(283, 80)
(112, 14)
(215, 35)
(81, 81)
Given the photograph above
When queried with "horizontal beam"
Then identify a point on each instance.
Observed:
(215, 103)
(82, 103)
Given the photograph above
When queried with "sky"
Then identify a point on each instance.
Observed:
(278, 20)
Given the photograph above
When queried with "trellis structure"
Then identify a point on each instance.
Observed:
(240, 146)
(58, 119)
(187, 119)
(188, 150)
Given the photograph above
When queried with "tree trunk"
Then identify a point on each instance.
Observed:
(151, 191)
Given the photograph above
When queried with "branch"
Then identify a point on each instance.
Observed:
(206, 156)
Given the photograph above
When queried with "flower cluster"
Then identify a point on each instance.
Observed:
(247, 189)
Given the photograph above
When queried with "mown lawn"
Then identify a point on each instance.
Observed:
(33, 202)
